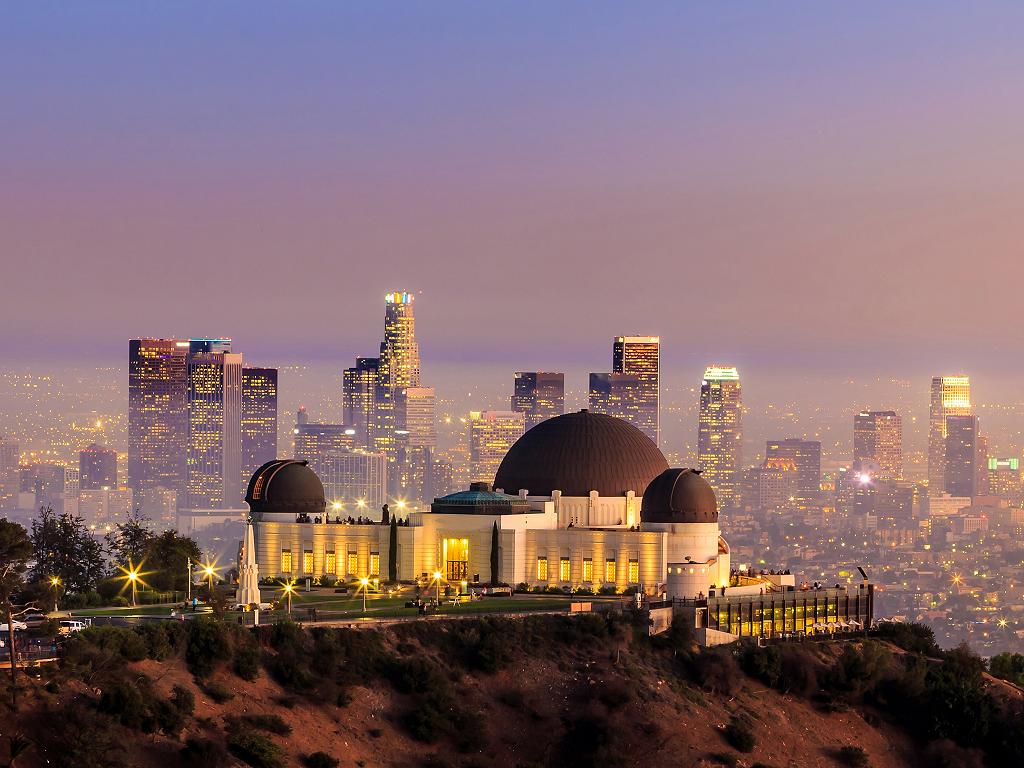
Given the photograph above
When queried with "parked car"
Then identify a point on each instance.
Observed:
(18, 626)
(245, 606)
(68, 626)
(34, 619)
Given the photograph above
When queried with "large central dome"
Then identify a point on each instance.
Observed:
(578, 453)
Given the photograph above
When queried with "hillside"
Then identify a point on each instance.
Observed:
(480, 692)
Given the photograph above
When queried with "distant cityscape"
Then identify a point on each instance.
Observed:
(942, 539)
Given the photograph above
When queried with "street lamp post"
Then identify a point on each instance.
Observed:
(55, 583)
(437, 581)
(365, 582)
(288, 589)
(133, 576)
(209, 572)
(188, 584)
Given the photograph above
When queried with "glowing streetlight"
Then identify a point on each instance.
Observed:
(336, 506)
(133, 577)
(55, 583)
(288, 588)
(209, 571)
(437, 581)
(361, 503)
(364, 584)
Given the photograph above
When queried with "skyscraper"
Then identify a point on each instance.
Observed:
(398, 368)
(720, 431)
(355, 479)
(10, 479)
(962, 459)
(313, 439)
(491, 434)
(259, 419)
(806, 458)
(358, 386)
(539, 396)
(616, 394)
(415, 443)
(878, 437)
(97, 468)
(950, 396)
(641, 357)
(214, 477)
(157, 419)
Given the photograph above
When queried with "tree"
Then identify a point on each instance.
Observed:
(166, 560)
(495, 556)
(63, 547)
(15, 550)
(392, 549)
(130, 540)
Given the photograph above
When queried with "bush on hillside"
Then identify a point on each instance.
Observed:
(256, 750)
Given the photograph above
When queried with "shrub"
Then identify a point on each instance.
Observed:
(247, 662)
(320, 760)
(717, 671)
(167, 717)
(184, 700)
(916, 638)
(271, 723)
(207, 645)
(344, 698)
(256, 750)
(852, 756)
(204, 752)
(218, 692)
(123, 642)
(740, 735)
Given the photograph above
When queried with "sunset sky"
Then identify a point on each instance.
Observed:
(770, 184)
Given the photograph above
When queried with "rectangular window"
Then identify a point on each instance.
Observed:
(563, 569)
(542, 569)
(353, 564)
(375, 563)
(634, 571)
(307, 561)
(609, 570)
(331, 563)
(588, 569)
(286, 561)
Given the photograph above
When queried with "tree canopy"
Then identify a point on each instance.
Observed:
(62, 546)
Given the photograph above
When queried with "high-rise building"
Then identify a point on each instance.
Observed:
(720, 431)
(641, 357)
(777, 482)
(359, 384)
(259, 419)
(157, 418)
(962, 456)
(313, 439)
(214, 476)
(491, 434)
(10, 480)
(415, 443)
(950, 396)
(398, 368)
(806, 458)
(354, 480)
(878, 437)
(615, 394)
(539, 396)
(1004, 477)
(97, 468)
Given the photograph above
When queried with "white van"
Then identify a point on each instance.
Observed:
(67, 626)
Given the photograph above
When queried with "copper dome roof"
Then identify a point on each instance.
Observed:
(679, 496)
(288, 486)
(577, 453)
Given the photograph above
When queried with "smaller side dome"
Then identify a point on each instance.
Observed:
(679, 496)
(288, 486)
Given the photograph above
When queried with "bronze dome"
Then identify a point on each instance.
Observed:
(577, 453)
(286, 486)
(679, 496)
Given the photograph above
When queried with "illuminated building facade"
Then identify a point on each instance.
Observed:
(538, 395)
(950, 396)
(416, 442)
(491, 434)
(359, 385)
(720, 432)
(806, 458)
(10, 481)
(640, 356)
(312, 439)
(214, 457)
(398, 369)
(962, 456)
(778, 482)
(878, 437)
(259, 419)
(615, 394)
(355, 481)
(1004, 477)
(97, 468)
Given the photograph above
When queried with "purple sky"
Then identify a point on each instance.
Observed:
(772, 184)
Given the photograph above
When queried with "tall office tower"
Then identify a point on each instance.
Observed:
(358, 386)
(415, 443)
(313, 439)
(398, 368)
(777, 482)
(615, 394)
(301, 417)
(355, 479)
(806, 458)
(491, 434)
(878, 437)
(214, 477)
(259, 419)
(10, 480)
(720, 432)
(641, 357)
(157, 419)
(1004, 478)
(539, 396)
(97, 468)
(951, 396)
(962, 455)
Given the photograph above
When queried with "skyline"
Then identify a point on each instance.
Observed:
(841, 217)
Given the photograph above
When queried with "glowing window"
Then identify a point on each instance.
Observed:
(353, 563)
(588, 569)
(307, 561)
(634, 571)
(542, 569)
(330, 563)
(563, 569)
(375, 564)
(609, 570)
(286, 561)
